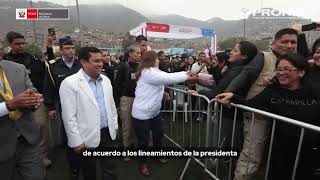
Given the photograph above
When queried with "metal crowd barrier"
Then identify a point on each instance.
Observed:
(199, 124)
(275, 118)
(187, 118)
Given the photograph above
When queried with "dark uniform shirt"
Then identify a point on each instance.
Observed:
(110, 70)
(59, 71)
(34, 66)
(125, 82)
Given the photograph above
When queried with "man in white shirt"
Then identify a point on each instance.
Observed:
(200, 67)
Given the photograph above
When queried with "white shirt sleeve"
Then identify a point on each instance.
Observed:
(157, 77)
(3, 109)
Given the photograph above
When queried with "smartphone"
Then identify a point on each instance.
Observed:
(52, 31)
(309, 27)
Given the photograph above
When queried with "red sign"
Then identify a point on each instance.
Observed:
(155, 27)
(32, 13)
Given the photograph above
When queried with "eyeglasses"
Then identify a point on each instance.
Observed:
(285, 70)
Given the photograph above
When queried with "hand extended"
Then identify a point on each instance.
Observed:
(296, 26)
(192, 77)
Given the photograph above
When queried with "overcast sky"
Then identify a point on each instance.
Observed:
(206, 9)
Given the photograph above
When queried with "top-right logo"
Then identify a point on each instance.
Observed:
(266, 13)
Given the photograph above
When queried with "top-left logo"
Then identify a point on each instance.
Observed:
(21, 13)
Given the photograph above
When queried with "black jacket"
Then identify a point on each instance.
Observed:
(110, 70)
(222, 82)
(124, 84)
(34, 66)
(59, 71)
(302, 105)
(314, 75)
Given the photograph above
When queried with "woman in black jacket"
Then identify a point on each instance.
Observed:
(241, 55)
(294, 96)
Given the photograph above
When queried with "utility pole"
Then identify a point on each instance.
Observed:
(79, 25)
(34, 26)
(244, 27)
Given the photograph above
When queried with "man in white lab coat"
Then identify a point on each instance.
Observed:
(89, 113)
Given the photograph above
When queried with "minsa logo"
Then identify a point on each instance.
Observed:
(32, 13)
(22, 13)
(265, 13)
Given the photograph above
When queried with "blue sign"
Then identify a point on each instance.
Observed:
(207, 32)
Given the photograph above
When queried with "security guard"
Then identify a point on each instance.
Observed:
(56, 71)
(17, 54)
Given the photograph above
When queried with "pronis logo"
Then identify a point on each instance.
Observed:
(266, 13)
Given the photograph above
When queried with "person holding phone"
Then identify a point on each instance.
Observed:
(302, 46)
(56, 71)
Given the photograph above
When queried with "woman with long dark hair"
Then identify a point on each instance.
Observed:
(241, 55)
(147, 103)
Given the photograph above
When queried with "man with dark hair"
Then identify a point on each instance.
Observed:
(56, 71)
(142, 43)
(109, 67)
(36, 72)
(162, 65)
(89, 113)
(259, 72)
(34, 66)
(200, 67)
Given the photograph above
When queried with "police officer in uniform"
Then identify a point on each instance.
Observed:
(36, 71)
(56, 71)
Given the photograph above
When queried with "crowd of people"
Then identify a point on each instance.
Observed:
(85, 91)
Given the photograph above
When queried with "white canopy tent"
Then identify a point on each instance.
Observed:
(157, 30)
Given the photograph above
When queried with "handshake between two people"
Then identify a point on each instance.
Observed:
(29, 99)
(192, 77)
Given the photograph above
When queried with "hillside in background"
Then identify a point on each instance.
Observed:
(117, 18)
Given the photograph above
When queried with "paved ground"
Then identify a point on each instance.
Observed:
(129, 170)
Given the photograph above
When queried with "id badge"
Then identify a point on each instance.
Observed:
(133, 76)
